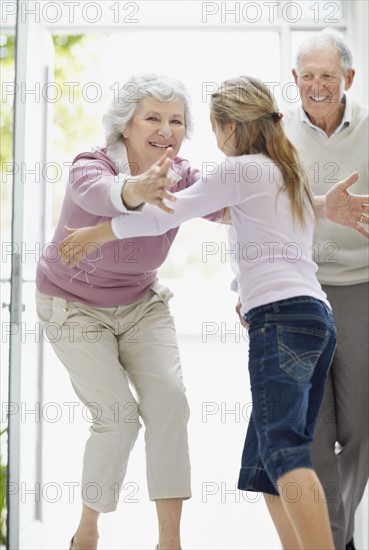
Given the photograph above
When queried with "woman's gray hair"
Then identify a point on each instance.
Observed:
(322, 39)
(123, 108)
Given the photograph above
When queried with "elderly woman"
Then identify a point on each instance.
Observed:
(114, 324)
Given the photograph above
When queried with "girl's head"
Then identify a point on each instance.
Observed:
(149, 114)
(245, 116)
(246, 121)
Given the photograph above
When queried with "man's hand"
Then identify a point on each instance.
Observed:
(151, 186)
(343, 207)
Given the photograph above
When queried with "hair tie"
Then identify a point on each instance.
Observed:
(277, 116)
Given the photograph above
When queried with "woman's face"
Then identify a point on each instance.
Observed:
(225, 136)
(156, 126)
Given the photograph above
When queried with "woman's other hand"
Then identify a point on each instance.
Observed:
(83, 241)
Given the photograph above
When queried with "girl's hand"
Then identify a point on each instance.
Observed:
(241, 318)
(83, 241)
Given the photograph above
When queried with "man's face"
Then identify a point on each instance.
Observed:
(322, 82)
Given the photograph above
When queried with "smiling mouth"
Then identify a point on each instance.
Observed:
(159, 145)
(319, 99)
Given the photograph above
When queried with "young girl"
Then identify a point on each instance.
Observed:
(291, 329)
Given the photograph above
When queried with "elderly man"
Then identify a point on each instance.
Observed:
(330, 132)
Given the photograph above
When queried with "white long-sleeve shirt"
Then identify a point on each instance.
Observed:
(273, 252)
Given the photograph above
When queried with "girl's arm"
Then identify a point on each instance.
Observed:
(205, 196)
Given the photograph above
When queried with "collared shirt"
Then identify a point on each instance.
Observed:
(346, 119)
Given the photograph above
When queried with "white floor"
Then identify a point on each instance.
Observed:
(218, 517)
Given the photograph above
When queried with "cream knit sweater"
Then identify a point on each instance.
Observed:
(341, 253)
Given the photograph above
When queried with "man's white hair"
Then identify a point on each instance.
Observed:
(323, 39)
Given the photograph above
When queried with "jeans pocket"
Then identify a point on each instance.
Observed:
(299, 350)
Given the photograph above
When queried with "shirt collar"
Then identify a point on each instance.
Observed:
(118, 154)
(346, 119)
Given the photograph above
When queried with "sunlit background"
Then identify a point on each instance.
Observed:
(89, 63)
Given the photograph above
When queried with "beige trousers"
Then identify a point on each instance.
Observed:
(108, 351)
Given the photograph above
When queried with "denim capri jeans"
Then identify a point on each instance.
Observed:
(292, 343)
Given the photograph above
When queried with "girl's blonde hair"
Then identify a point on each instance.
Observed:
(247, 102)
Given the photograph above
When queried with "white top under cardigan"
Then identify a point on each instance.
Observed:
(273, 252)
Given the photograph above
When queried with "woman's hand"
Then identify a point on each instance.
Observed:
(151, 186)
(84, 241)
(341, 206)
